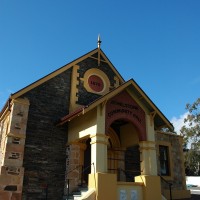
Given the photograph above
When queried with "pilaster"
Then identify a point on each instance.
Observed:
(148, 158)
(12, 147)
(74, 88)
(99, 144)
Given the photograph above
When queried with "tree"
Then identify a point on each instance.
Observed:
(191, 135)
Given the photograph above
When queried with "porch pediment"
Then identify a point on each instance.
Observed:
(122, 107)
(136, 94)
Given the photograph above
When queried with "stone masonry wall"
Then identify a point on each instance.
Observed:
(12, 171)
(84, 97)
(3, 132)
(45, 146)
(44, 156)
(177, 167)
(73, 168)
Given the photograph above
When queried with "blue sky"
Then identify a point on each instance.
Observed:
(157, 43)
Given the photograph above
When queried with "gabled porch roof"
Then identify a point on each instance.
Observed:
(159, 118)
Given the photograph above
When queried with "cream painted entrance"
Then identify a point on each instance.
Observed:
(123, 150)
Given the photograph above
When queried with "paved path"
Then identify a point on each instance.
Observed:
(195, 191)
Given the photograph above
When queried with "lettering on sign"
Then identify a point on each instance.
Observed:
(95, 83)
(124, 105)
(127, 109)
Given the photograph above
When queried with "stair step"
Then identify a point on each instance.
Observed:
(68, 198)
(77, 197)
(83, 190)
(77, 194)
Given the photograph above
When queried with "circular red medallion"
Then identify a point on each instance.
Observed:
(95, 83)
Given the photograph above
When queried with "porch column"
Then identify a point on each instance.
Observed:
(148, 158)
(99, 144)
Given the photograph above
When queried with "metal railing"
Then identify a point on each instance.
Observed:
(83, 169)
(126, 173)
(124, 162)
(169, 185)
(68, 180)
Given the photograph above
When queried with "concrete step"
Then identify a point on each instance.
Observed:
(68, 198)
(77, 194)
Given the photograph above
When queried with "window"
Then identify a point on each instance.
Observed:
(164, 160)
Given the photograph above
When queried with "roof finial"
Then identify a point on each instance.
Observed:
(99, 41)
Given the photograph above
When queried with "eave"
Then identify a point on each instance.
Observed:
(160, 119)
(5, 109)
(64, 68)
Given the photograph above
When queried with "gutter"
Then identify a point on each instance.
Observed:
(70, 116)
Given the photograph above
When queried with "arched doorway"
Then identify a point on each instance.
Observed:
(123, 150)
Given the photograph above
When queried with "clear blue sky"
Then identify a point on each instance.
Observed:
(157, 43)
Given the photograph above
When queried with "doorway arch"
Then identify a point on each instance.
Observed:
(123, 150)
(122, 108)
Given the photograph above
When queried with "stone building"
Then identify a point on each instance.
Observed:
(83, 125)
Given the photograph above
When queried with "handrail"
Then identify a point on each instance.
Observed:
(74, 169)
(69, 179)
(87, 167)
(124, 171)
(169, 184)
(83, 169)
(128, 170)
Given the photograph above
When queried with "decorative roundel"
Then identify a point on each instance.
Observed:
(96, 83)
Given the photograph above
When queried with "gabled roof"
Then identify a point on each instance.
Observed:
(59, 71)
(64, 68)
(131, 85)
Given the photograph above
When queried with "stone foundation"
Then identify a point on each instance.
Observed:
(177, 170)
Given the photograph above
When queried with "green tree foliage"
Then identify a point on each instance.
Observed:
(192, 162)
(191, 135)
